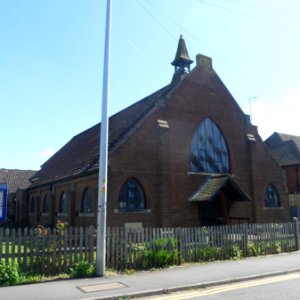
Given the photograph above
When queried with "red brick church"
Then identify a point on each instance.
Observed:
(185, 155)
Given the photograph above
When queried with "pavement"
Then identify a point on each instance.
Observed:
(148, 283)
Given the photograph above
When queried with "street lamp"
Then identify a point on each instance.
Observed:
(103, 149)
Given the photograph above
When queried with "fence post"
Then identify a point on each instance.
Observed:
(178, 234)
(245, 239)
(297, 233)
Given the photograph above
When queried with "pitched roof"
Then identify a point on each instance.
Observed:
(212, 186)
(80, 155)
(289, 137)
(285, 148)
(16, 179)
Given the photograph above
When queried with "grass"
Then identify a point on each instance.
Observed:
(32, 278)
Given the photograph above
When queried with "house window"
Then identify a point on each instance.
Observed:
(132, 196)
(271, 197)
(86, 202)
(209, 152)
(32, 205)
(63, 204)
(45, 206)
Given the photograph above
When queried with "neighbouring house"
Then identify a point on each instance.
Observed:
(286, 150)
(17, 181)
(185, 155)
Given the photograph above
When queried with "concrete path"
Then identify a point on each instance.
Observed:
(155, 282)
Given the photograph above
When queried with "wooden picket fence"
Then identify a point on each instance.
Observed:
(52, 251)
(132, 249)
(45, 250)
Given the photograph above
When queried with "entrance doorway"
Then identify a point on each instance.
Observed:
(214, 212)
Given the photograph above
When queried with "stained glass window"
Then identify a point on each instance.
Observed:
(271, 197)
(132, 196)
(86, 204)
(209, 152)
(45, 205)
(63, 203)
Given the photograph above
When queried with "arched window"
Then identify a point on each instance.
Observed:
(271, 197)
(45, 204)
(132, 196)
(86, 202)
(209, 152)
(32, 205)
(63, 203)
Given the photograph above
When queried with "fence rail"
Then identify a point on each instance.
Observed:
(52, 251)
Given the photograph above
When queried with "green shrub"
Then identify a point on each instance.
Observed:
(207, 253)
(164, 254)
(253, 249)
(234, 252)
(278, 247)
(9, 273)
(83, 269)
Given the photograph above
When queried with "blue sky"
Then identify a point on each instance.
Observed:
(51, 60)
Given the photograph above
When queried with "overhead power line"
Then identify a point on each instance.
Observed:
(269, 10)
(229, 63)
(149, 12)
(228, 9)
(272, 2)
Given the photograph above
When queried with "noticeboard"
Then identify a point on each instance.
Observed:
(3, 194)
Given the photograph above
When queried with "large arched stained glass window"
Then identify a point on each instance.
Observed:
(132, 196)
(209, 152)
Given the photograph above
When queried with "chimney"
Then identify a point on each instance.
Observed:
(204, 61)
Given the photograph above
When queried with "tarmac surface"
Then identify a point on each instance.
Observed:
(148, 283)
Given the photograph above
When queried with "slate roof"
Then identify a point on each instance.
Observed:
(285, 148)
(212, 186)
(289, 137)
(80, 155)
(16, 179)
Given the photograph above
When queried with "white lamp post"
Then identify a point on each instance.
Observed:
(103, 147)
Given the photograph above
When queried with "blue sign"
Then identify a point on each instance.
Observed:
(3, 204)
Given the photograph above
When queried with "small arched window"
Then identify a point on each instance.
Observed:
(45, 205)
(209, 152)
(63, 203)
(132, 196)
(32, 205)
(271, 197)
(86, 201)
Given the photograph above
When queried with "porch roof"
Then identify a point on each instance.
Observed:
(213, 184)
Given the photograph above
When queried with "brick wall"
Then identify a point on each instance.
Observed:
(158, 157)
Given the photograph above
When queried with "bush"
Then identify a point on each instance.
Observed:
(235, 252)
(208, 253)
(253, 249)
(9, 273)
(164, 254)
(83, 269)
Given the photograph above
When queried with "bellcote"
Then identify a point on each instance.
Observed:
(182, 59)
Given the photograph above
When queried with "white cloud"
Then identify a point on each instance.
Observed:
(277, 115)
(47, 153)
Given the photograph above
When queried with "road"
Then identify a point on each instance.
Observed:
(269, 288)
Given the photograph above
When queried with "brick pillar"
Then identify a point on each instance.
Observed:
(163, 172)
(52, 209)
(72, 209)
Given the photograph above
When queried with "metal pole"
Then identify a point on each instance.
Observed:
(103, 147)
